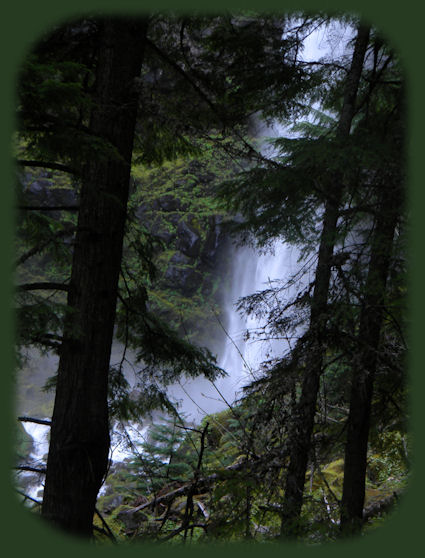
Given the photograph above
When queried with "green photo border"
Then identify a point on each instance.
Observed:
(402, 24)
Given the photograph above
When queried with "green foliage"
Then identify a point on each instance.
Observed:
(391, 459)
(177, 196)
(257, 194)
(159, 145)
(238, 503)
(53, 103)
(158, 465)
(23, 443)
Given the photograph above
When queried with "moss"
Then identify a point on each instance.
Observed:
(24, 442)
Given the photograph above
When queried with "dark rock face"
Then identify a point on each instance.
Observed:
(180, 274)
(44, 192)
(193, 242)
(168, 202)
(131, 520)
(188, 239)
(178, 260)
(197, 257)
(213, 240)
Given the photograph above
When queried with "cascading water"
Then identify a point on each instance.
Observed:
(36, 459)
(242, 350)
(246, 346)
(241, 354)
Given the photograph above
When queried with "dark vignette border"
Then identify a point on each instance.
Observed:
(23, 22)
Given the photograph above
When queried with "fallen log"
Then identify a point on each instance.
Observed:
(251, 468)
(381, 506)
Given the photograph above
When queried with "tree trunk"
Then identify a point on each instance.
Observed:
(303, 420)
(79, 441)
(364, 367)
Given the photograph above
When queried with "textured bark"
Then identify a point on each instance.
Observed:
(303, 420)
(79, 442)
(364, 368)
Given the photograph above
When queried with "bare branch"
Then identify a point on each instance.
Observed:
(30, 469)
(48, 208)
(106, 526)
(182, 528)
(42, 286)
(35, 420)
(46, 165)
(26, 497)
(203, 484)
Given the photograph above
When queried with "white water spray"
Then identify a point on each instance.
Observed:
(246, 348)
(33, 482)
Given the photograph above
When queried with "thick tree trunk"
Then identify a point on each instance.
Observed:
(79, 440)
(303, 420)
(364, 367)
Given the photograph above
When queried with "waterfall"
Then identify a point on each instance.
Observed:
(242, 351)
(240, 355)
(33, 482)
(245, 348)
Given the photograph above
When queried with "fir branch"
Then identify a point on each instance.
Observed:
(221, 117)
(333, 65)
(48, 340)
(40, 247)
(185, 75)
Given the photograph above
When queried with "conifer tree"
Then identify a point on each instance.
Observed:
(349, 174)
(79, 440)
(303, 421)
(375, 302)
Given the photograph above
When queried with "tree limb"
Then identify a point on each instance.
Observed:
(30, 469)
(42, 286)
(382, 506)
(189, 509)
(40, 247)
(28, 497)
(47, 339)
(48, 208)
(182, 528)
(203, 484)
(184, 74)
(36, 420)
(221, 117)
(46, 165)
(106, 526)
